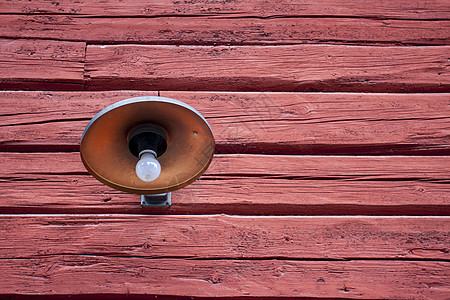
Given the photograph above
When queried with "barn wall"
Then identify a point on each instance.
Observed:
(331, 172)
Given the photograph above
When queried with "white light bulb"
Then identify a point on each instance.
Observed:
(148, 167)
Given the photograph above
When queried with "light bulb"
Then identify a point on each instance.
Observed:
(148, 167)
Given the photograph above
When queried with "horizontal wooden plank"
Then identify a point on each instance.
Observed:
(230, 237)
(240, 184)
(274, 123)
(268, 68)
(226, 30)
(34, 64)
(300, 123)
(403, 9)
(56, 119)
(68, 275)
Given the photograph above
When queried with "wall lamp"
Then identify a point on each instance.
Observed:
(149, 146)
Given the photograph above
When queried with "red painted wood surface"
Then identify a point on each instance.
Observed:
(307, 178)
(226, 30)
(401, 9)
(71, 65)
(29, 64)
(240, 184)
(230, 237)
(274, 123)
(281, 68)
(259, 256)
(70, 274)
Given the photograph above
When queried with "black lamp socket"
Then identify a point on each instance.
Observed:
(147, 137)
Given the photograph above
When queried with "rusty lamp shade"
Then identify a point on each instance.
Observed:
(174, 132)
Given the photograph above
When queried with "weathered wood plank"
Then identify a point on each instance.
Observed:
(269, 68)
(68, 275)
(55, 119)
(226, 30)
(299, 123)
(401, 9)
(34, 64)
(239, 184)
(276, 123)
(231, 237)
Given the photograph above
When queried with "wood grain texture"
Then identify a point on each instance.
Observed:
(226, 237)
(274, 123)
(34, 64)
(56, 119)
(225, 256)
(225, 30)
(239, 184)
(354, 225)
(269, 68)
(402, 9)
(70, 274)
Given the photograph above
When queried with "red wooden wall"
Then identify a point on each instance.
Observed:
(331, 174)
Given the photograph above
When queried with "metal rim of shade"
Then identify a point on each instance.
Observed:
(105, 153)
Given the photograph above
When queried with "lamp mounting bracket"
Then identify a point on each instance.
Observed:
(156, 200)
